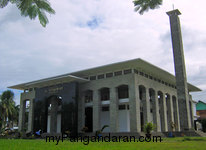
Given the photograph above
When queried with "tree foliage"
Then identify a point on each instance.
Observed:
(142, 6)
(8, 108)
(32, 9)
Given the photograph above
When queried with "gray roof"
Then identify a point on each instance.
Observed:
(78, 76)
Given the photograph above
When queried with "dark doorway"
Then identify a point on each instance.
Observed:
(89, 118)
(142, 121)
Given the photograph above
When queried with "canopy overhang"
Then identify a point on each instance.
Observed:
(49, 82)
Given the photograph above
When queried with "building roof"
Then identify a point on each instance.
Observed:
(201, 105)
(78, 76)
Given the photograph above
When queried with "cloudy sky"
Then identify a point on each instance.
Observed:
(84, 34)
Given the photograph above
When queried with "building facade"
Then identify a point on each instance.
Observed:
(124, 95)
(201, 109)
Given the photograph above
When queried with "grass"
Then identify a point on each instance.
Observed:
(183, 143)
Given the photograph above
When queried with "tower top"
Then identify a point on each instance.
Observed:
(174, 12)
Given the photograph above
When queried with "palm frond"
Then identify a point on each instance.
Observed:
(32, 9)
(144, 5)
(42, 18)
(3, 3)
(44, 5)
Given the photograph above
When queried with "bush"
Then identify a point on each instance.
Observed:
(149, 127)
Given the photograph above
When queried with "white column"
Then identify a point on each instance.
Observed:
(191, 111)
(148, 118)
(134, 108)
(146, 105)
(113, 110)
(31, 116)
(165, 126)
(22, 113)
(163, 113)
(156, 115)
(178, 116)
(170, 119)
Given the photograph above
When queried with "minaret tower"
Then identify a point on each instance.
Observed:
(180, 71)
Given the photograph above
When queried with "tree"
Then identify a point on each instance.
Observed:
(7, 106)
(14, 118)
(32, 9)
(144, 5)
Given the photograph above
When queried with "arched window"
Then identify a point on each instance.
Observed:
(123, 92)
(88, 96)
(104, 93)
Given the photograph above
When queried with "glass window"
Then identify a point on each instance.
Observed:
(123, 92)
(104, 94)
(88, 96)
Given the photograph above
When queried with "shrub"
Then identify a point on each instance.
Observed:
(149, 127)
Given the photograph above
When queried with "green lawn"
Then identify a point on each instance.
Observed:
(197, 143)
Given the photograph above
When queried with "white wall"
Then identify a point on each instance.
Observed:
(105, 120)
(194, 108)
(124, 121)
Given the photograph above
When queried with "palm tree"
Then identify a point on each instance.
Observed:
(7, 106)
(15, 117)
(144, 5)
(32, 8)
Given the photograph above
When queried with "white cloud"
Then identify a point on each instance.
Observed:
(29, 51)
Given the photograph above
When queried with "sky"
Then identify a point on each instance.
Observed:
(85, 34)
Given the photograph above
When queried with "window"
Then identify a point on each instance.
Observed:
(127, 71)
(140, 94)
(141, 73)
(104, 94)
(136, 71)
(88, 96)
(108, 75)
(93, 78)
(101, 76)
(123, 92)
(117, 73)
(122, 107)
